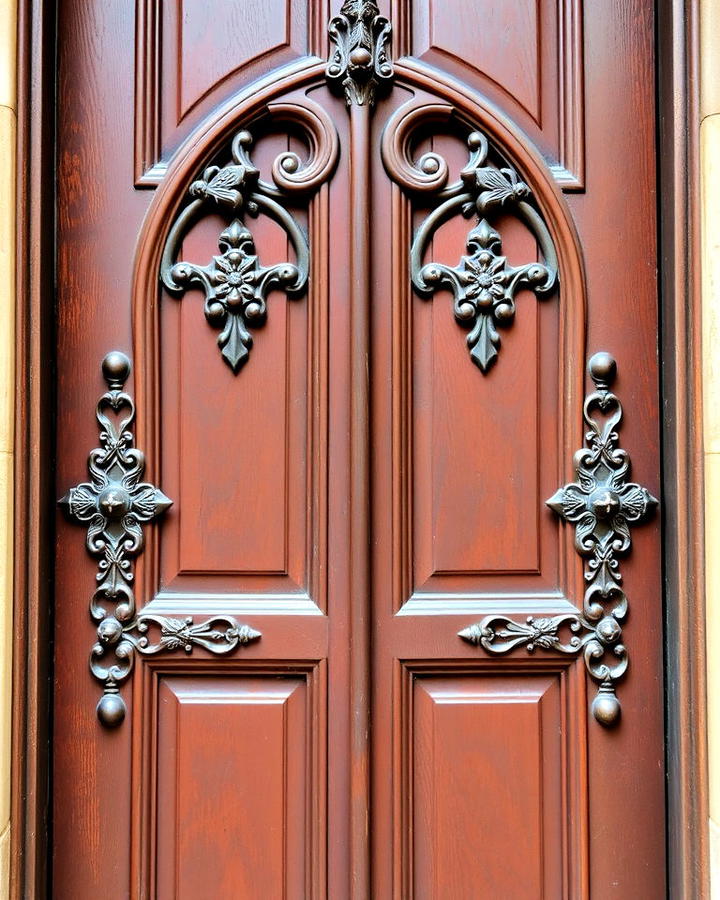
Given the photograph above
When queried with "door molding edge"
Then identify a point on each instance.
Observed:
(678, 134)
(34, 459)
(678, 105)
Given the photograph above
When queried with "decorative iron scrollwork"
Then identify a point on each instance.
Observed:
(484, 284)
(235, 284)
(602, 505)
(114, 505)
(359, 65)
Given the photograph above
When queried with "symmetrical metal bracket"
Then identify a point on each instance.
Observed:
(114, 505)
(235, 284)
(602, 504)
(484, 284)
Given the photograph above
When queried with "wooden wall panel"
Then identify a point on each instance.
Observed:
(526, 56)
(193, 54)
(492, 762)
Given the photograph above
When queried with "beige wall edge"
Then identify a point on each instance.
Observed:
(8, 126)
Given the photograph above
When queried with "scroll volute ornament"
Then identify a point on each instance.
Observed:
(235, 283)
(602, 505)
(114, 506)
(484, 284)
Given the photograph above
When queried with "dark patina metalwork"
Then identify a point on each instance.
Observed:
(235, 284)
(484, 284)
(602, 505)
(114, 506)
(359, 66)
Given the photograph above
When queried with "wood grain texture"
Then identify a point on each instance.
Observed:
(191, 56)
(527, 57)
(239, 748)
(468, 765)
(358, 462)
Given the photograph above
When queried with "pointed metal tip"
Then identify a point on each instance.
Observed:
(162, 502)
(472, 633)
(246, 634)
(236, 362)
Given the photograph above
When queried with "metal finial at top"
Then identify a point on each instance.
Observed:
(359, 65)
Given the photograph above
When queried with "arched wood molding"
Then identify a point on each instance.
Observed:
(474, 112)
(465, 105)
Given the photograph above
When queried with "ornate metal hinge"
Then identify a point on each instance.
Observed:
(484, 284)
(359, 65)
(114, 505)
(602, 504)
(235, 284)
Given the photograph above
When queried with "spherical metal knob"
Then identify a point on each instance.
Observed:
(116, 368)
(430, 164)
(114, 502)
(606, 708)
(605, 504)
(111, 710)
(360, 56)
(603, 369)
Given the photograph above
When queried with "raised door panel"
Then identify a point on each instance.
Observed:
(476, 453)
(501, 42)
(233, 781)
(527, 56)
(485, 447)
(491, 785)
(192, 56)
(244, 453)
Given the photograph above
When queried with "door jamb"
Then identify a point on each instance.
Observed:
(34, 456)
(678, 42)
(678, 136)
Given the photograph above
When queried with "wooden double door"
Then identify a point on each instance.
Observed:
(357, 345)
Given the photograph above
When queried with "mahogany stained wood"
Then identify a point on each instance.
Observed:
(358, 493)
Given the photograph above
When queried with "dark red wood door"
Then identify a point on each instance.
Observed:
(358, 447)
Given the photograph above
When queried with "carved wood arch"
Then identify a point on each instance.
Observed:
(478, 113)
(454, 101)
(451, 100)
